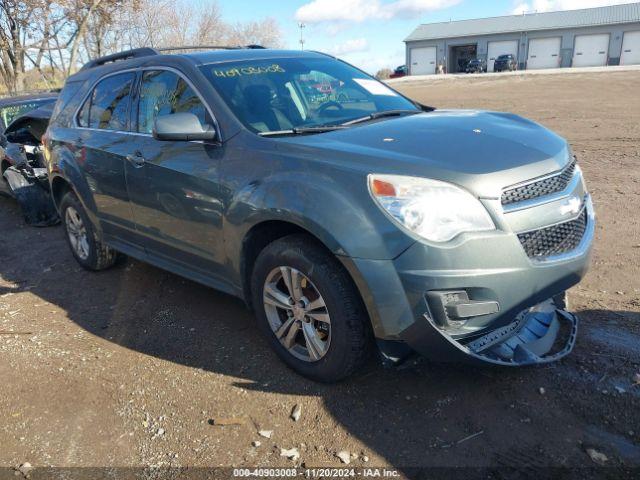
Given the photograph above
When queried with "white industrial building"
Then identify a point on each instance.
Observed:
(572, 38)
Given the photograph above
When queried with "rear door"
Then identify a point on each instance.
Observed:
(103, 144)
(173, 185)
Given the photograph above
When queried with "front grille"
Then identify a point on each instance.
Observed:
(556, 239)
(543, 187)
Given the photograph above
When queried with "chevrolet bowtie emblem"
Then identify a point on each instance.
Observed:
(571, 206)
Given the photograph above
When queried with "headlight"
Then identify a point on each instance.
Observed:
(434, 210)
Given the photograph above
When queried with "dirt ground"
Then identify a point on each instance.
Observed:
(127, 367)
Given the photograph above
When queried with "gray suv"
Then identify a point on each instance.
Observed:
(348, 226)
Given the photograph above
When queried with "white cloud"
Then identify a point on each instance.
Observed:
(333, 29)
(554, 5)
(354, 45)
(521, 8)
(318, 11)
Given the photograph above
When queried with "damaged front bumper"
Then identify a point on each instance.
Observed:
(480, 300)
(30, 187)
(541, 334)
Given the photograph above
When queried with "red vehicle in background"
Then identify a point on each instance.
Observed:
(400, 71)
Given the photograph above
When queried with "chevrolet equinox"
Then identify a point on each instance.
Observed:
(350, 218)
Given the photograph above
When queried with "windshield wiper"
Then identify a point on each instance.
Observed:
(342, 126)
(319, 128)
(303, 130)
(383, 114)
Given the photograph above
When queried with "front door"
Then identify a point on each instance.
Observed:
(173, 185)
(104, 143)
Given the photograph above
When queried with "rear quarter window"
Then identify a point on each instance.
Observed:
(65, 106)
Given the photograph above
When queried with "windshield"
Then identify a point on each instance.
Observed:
(10, 112)
(282, 94)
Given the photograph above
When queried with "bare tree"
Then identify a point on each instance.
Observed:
(210, 28)
(170, 23)
(143, 24)
(53, 37)
(18, 34)
(81, 15)
(384, 73)
(111, 26)
(265, 32)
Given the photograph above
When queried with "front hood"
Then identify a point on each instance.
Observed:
(482, 151)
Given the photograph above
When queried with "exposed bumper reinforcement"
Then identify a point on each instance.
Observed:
(30, 188)
(541, 334)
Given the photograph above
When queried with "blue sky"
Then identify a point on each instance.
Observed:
(369, 33)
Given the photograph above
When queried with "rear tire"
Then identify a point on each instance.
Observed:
(344, 334)
(82, 238)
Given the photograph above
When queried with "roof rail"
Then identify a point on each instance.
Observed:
(127, 54)
(146, 52)
(198, 47)
(208, 47)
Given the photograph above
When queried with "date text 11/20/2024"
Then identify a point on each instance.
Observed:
(316, 472)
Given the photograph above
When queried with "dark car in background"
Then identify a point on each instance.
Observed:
(400, 71)
(22, 167)
(477, 65)
(13, 107)
(22, 137)
(345, 227)
(505, 63)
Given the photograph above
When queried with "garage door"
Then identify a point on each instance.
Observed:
(630, 48)
(496, 49)
(591, 50)
(544, 53)
(423, 61)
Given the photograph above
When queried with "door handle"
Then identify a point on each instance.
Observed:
(137, 160)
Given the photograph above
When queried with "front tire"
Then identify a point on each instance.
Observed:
(309, 309)
(82, 238)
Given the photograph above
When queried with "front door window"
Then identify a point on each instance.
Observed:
(162, 93)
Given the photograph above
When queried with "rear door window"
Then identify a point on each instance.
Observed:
(107, 108)
(163, 92)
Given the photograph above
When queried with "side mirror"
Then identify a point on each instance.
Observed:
(181, 127)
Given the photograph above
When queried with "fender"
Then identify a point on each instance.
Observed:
(65, 167)
(321, 205)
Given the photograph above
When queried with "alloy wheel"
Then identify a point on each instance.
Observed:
(77, 233)
(297, 313)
